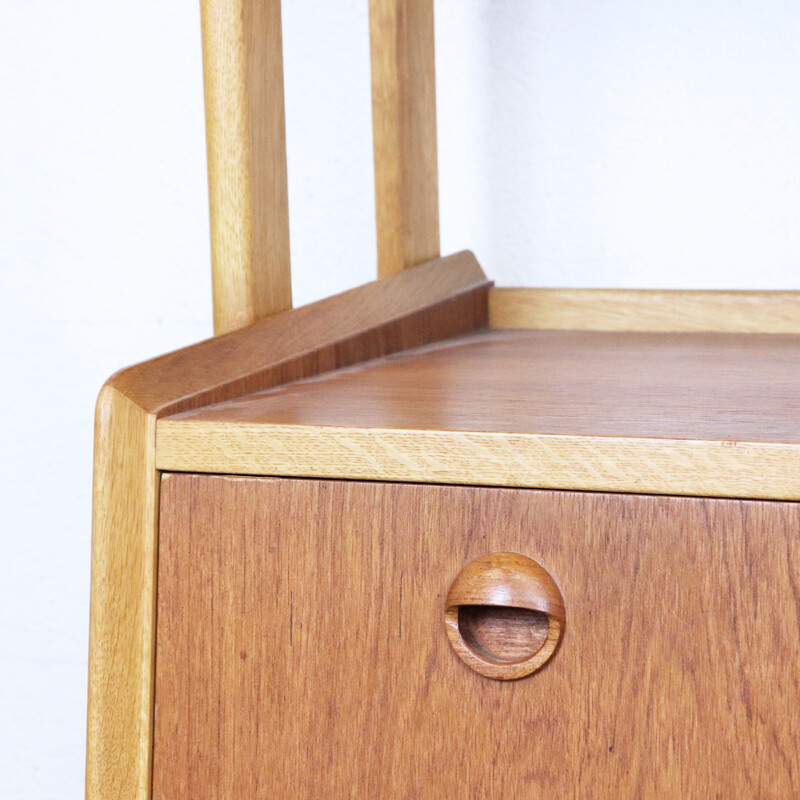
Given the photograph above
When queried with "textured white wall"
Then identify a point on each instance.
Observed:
(614, 143)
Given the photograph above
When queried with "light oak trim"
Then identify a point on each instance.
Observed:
(246, 141)
(122, 616)
(757, 470)
(645, 310)
(404, 132)
(438, 300)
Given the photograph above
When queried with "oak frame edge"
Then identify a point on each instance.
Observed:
(122, 605)
(692, 468)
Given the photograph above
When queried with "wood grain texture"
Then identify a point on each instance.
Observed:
(645, 310)
(302, 651)
(507, 579)
(441, 299)
(503, 633)
(404, 132)
(710, 414)
(122, 626)
(506, 582)
(246, 140)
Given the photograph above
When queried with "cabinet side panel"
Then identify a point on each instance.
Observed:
(302, 651)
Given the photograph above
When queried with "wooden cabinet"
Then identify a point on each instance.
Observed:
(290, 637)
(302, 652)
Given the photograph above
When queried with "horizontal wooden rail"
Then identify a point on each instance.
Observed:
(645, 310)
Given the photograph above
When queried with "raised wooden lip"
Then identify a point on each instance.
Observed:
(442, 298)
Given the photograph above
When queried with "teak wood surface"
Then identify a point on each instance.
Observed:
(493, 615)
(441, 299)
(302, 649)
(696, 414)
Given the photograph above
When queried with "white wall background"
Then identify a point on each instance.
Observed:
(615, 143)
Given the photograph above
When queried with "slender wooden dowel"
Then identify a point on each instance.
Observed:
(404, 131)
(246, 138)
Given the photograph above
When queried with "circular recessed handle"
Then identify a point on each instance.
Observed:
(504, 615)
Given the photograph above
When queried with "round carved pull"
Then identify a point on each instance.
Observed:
(504, 615)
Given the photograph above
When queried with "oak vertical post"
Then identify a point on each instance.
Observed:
(246, 140)
(122, 624)
(404, 131)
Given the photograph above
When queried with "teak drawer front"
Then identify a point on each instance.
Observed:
(302, 651)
